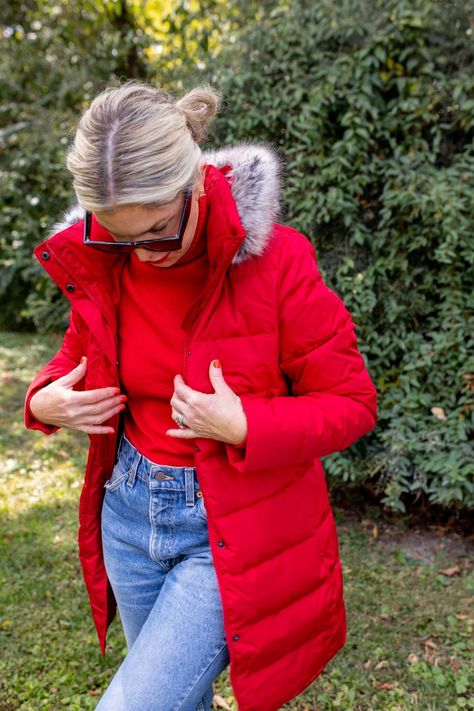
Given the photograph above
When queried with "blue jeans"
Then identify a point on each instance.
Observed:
(159, 563)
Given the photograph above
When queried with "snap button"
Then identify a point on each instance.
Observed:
(70, 287)
(198, 493)
(220, 543)
(45, 255)
(197, 449)
(189, 353)
(236, 637)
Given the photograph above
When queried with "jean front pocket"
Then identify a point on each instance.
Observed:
(116, 478)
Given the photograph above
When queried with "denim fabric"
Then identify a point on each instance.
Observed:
(159, 563)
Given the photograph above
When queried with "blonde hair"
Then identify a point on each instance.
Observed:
(136, 145)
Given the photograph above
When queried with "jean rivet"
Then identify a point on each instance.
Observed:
(236, 637)
(198, 493)
(220, 543)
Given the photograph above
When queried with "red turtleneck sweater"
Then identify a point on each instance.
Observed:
(154, 301)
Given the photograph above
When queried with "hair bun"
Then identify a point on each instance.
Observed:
(199, 106)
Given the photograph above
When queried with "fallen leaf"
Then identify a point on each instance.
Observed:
(439, 413)
(470, 381)
(412, 658)
(451, 571)
(387, 685)
(381, 665)
(454, 664)
(221, 702)
(429, 643)
(368, 664)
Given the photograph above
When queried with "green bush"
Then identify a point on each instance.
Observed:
(371, 105)
(53, 58)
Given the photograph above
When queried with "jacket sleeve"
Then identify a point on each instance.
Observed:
(67, 358)
(333, 401)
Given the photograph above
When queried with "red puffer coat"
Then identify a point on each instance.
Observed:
(288, 348)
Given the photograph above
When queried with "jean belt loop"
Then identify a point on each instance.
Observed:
(132, 474)
(189, 485)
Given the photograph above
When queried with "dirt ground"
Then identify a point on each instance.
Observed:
(427, 544)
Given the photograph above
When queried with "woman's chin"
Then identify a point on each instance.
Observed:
(155, 262)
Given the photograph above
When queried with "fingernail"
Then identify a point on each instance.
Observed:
(117, 391)
(123, 397)
(82, 360)
(216, 363)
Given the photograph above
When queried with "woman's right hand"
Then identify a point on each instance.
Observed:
(58, 404)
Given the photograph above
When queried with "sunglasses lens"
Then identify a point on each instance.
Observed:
(169, 245)
(112, 248)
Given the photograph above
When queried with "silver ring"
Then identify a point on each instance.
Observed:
(179, 421)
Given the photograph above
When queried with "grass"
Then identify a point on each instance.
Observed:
(408, 594)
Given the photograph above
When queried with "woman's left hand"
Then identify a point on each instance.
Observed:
(218, 416)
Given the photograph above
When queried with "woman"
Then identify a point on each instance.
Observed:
(190, 304)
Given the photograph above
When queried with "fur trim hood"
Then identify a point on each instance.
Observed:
(255, 178)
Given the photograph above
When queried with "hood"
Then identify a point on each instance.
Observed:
(254, 174)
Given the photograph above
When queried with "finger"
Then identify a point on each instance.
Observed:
(96, 395)
(184, 391)
(98, 408)
(74, 375)
(97, 419)
(188, 433)
(91, 429)
(178, 404)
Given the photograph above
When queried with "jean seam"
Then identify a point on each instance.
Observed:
(199, 676)
(152, 540)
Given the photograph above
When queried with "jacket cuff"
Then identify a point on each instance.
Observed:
(260, 448)
(32, 422)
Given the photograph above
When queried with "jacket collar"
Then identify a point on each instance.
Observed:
(250, 201)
